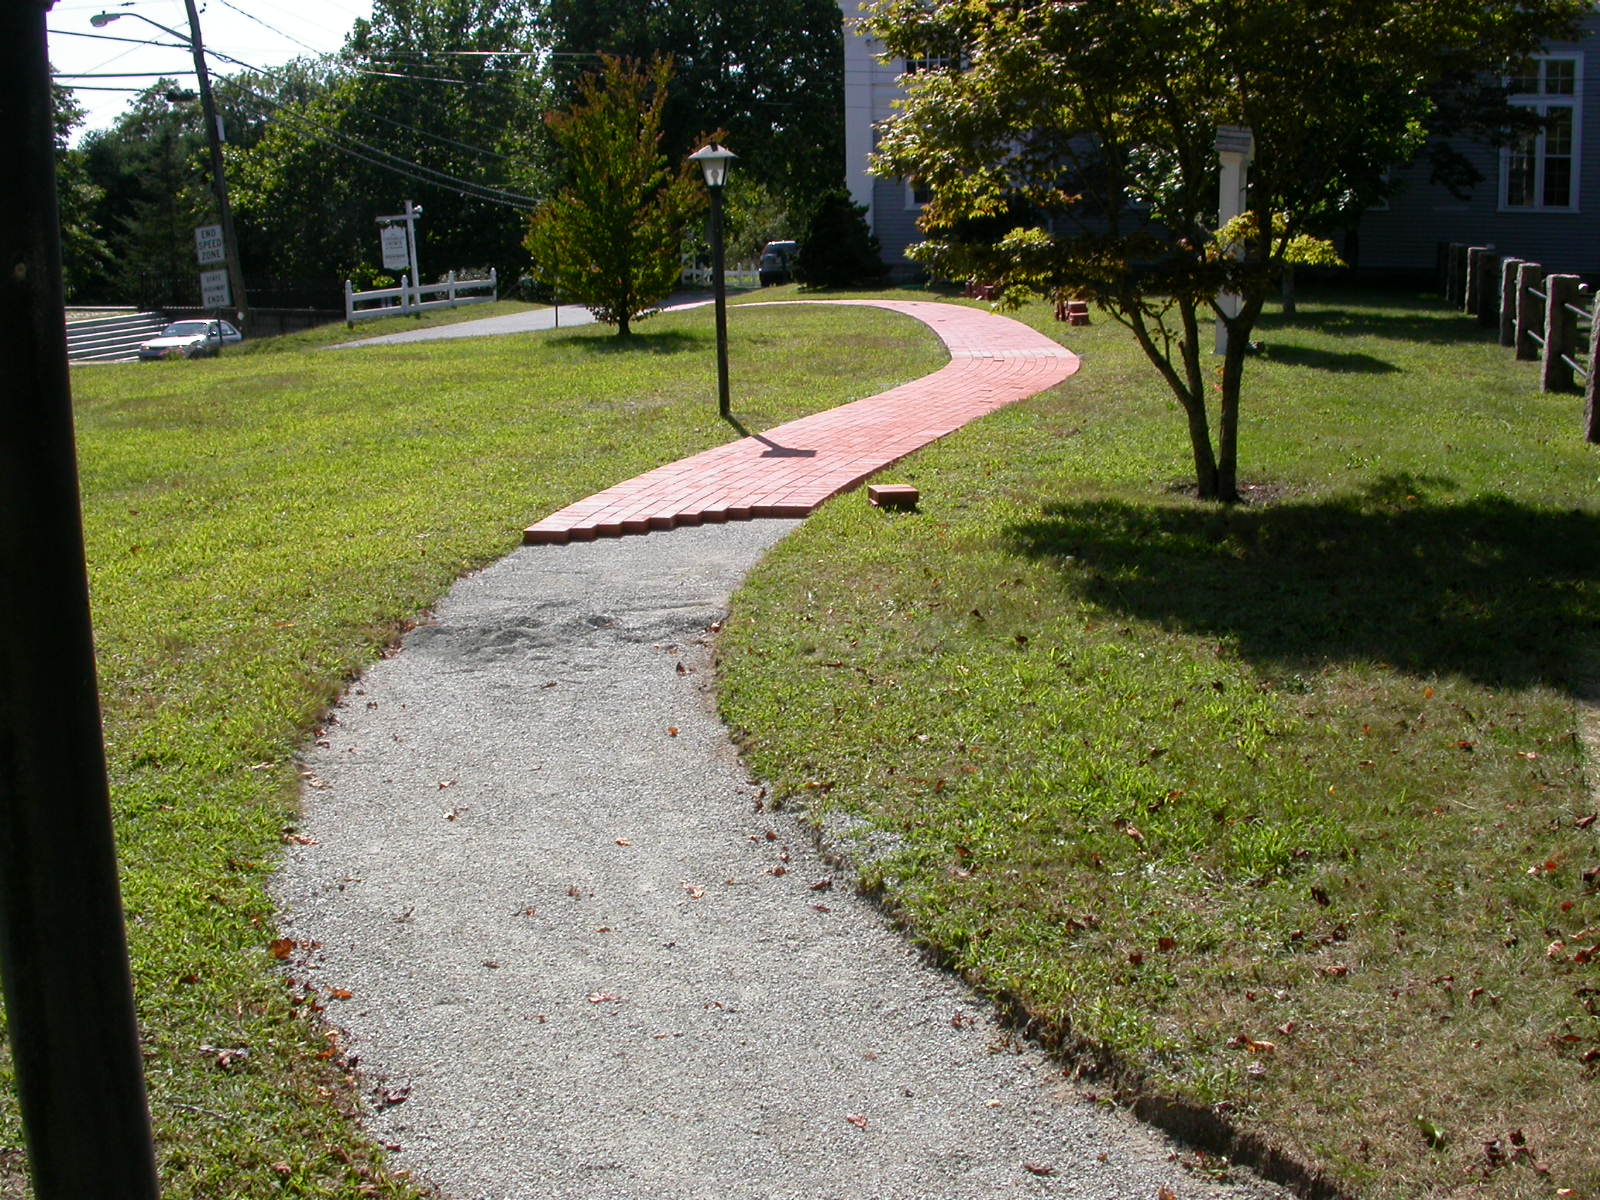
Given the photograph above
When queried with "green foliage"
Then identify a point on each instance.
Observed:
(770, 74)
(151, 189)
(839, 249)
(1099, 119)
(84, 253)
(752, 215)
(447, 85)
(610, 240)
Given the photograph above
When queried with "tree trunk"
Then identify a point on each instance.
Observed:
(1239, 330)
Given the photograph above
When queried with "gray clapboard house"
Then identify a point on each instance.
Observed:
(1536, 200)
(870, 89)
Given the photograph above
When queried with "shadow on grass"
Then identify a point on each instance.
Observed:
(1488, 588)
(666, 341)
(1401, 324)
(1327, 360)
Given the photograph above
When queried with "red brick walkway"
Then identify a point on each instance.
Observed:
(791, 470)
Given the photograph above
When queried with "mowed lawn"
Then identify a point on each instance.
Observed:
(259, 528)
(1274, 813)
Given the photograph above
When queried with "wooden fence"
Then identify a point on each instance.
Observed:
(1548, 318)
(406, 300)
(737, 275)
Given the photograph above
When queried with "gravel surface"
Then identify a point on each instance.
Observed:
(582, 962)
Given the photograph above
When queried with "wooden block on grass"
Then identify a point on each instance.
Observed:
(893, 495)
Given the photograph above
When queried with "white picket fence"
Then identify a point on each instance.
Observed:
(739, 275)
(406, 300)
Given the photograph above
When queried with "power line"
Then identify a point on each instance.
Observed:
(436, 137)
(272, 28)
(108, 37)
(343, 142)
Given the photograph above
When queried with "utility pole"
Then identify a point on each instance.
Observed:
(219, 178)
(219, 181)
(63, 956)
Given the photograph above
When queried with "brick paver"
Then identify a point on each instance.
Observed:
(791, 470)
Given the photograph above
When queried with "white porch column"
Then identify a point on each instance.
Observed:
(1236, 149)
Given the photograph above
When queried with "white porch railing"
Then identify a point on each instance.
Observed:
(739, 275)
(406, 300)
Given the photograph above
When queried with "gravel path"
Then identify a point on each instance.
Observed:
(582, 962)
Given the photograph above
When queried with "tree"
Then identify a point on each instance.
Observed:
(839, 250)
(437, 101)
(610, 239)
(84, 253)
(1087, 132)
(154, 188)
(771, 75)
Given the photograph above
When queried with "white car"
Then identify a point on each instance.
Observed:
(190, 339)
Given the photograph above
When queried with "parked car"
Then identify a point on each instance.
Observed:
(777, 262)
(190, 339)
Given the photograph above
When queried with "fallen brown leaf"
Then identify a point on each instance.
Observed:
(1036, 1168)
(856, 1119)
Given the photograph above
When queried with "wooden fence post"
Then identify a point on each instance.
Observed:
(1530, 275)
(1560, 332)
(1508, 300)
(1467, 298)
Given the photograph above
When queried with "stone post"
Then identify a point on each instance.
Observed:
(1560, 333)
(1485, 293)
(1530, 316)
(1508, 300)
(1467, 298)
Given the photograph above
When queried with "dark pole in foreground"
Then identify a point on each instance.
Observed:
(719, 289)
(69, 1003)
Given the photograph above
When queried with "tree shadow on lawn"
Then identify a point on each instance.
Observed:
(1402, 324)
(1488, 588)
(666, 341)
(1336, 361)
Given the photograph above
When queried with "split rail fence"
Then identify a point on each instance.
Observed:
(1545, 317)
(406, 300)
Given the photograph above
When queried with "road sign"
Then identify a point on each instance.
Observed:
(214, 289)
(396, 253)
(208, 245)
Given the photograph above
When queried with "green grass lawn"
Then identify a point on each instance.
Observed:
(1274, 813)
(260, 527)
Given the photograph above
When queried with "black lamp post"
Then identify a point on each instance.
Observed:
(715, 160)
(219, 181)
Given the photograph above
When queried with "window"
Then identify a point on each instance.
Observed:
(930, 62)
(918, 194)
(1540, 169)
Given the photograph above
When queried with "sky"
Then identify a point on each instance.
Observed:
(281, 30)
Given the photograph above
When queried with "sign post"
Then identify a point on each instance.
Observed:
(214, 289)
(412, 212)
(209, 245)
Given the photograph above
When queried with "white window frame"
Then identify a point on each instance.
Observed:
(912, 203)
(1542, 102)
